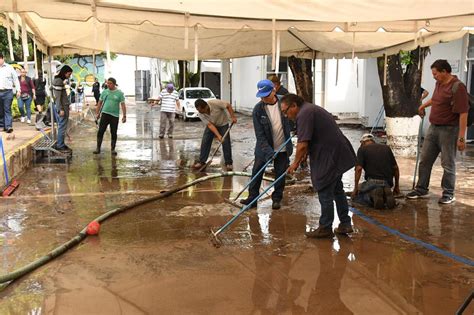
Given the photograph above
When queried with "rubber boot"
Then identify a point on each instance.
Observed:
(99, 143)
(113, 152)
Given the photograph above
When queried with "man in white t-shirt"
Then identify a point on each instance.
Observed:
(169, 103)
(272, 130)
(215, 115)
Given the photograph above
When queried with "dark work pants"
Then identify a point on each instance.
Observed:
(280, 163)
(206, 144)
(105, 120)
(333, 192)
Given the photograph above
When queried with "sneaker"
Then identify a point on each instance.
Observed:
(415, 194)
(97, 151)
(161, 137)
(389, 198)
(229, 168)
(28, 121)
(376, 195)
(343, 229)
(9, 130)
(446, 200)
(22, 119)
(248, 201)
(320, 232)
(276, 205)
(113, 152)
(170, 136)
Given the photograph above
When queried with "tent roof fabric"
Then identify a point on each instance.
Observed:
(231, 29)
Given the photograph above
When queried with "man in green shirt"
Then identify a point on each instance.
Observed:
(108, 110)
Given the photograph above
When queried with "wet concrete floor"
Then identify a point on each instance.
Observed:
(157, 258)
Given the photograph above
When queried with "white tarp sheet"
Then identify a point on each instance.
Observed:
(229, 29)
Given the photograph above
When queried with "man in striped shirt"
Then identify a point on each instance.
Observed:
(169, 103)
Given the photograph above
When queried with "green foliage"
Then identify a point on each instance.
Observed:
(176, 81)
(66, 58)
(16, 111)
(193, 78)
(17, 48)
(406, 58)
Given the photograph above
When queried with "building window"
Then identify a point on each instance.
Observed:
(283, 70)
(470, 48)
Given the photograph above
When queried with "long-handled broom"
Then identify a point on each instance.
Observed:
(214, 235)
(420, 136)
(10, 186)
(262, 169)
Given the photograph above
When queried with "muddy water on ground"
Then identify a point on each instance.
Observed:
(157, 258)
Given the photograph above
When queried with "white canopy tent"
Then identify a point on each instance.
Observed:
(205, 29)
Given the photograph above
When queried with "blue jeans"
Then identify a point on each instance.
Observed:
(439, 139)
(206, 145)
(363, 197)
(281, 165)
(6, 99)
(327, 196)
(62, 127)
(22, 103)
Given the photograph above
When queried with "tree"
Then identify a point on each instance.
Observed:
(303, 74)
(66, 58)
(192, 79)
(401, 94)
(17, 47)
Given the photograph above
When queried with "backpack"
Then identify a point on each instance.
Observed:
(470, 100)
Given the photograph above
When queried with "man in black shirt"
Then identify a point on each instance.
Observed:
(330, 154)
(380, 167)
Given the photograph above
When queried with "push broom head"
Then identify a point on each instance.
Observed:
(216, 242)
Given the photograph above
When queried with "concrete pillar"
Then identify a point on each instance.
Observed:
(225, 80)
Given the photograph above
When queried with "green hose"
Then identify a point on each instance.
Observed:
(7, 278)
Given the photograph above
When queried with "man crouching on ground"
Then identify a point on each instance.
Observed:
(213, 114)
(331, 155)
(380, 167)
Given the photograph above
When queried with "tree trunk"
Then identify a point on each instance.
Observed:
(303, 74)
(182, 72)
(401, 95)
(401, 98)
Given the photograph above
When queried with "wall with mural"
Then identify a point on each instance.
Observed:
(83, 69)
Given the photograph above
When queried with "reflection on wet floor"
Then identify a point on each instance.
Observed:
(156, 258)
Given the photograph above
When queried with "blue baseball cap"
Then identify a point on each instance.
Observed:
(265, 87)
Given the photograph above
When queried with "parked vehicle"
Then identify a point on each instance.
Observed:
(187, 97)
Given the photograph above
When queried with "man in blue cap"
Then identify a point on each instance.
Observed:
(272, 129)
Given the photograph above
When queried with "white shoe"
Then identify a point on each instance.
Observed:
(22, 119)
(28, 121)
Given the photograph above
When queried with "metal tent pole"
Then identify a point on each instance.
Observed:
(51, 98)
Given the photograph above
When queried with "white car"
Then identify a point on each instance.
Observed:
(187, 97)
